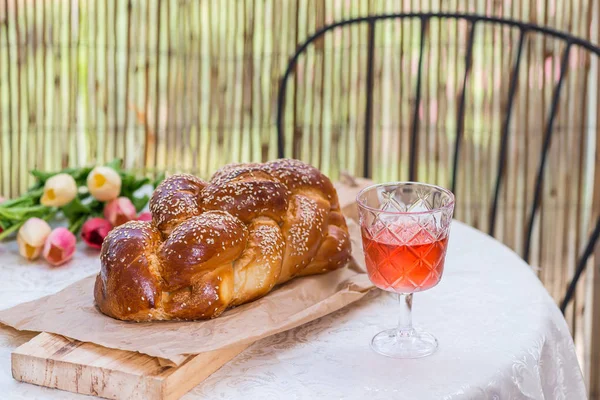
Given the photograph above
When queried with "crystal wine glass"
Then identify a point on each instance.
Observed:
(404, 228)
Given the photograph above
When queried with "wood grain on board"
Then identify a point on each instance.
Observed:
(58, 362)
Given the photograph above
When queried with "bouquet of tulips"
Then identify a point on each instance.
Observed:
(91, 199)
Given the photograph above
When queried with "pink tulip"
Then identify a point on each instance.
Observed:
(60, 246)
(94, 230)
(145, 216)
(119, 211)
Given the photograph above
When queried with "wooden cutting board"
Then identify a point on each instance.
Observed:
(58, 362)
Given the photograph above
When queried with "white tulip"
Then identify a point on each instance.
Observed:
(59, 190)
(32, 236)
(104, 183)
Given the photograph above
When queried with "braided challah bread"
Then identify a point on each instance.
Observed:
(214, 245)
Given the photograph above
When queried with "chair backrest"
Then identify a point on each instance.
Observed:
(518, 37)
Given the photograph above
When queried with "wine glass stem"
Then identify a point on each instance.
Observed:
(405, 327)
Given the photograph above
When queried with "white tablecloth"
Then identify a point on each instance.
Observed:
(500, 335)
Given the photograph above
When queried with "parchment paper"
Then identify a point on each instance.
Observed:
(71, 312)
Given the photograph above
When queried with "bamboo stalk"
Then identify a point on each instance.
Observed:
(92, 71)
(4, 132)
(319, 79)
(214, 95)
(238, 43)
(194, 93)
(565, 251)
(166, 137)
(259, 76)
(81, 93)
(441, 175)
(152, 134)
(72, 155)
(347, 76)
(21, 56)
(247, 106)
(178, 99)
(39, 33)
(432, 99)
(578, 214)
(222, 92)
(127, 96)
(310, 89)
(564, 165)
(333, 120)
(304, 131)
(466, 156)
(424, 126)
(592, 307)
(55, 102)
(29, 88)
(65, 77)
(530, 126)
(547, 221)
(556, 180)
(103, 114)
(13, 189)
(185, 80)
(402, 94)
(457, 58)
(277, 46)
(359, 78)
(204, 118)
(581, 225)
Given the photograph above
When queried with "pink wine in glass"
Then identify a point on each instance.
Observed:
(404, 268)
(405, 227)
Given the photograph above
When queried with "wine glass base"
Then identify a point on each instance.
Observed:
(396, 344)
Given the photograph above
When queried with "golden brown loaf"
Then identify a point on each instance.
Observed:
(213, 245)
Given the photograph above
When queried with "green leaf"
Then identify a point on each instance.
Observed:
(23, 201)
(41, 176)
(79, 174)
(75, 210)
(127, 180)
(140, 202)
(130, 184)
(76, 224)
(97, 208)
(159, 178)
(10, 230)
(115, 164)
(138, 183)
(22, 213)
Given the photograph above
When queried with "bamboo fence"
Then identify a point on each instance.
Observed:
(189, 85)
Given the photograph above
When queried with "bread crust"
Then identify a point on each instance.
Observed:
(217, 244)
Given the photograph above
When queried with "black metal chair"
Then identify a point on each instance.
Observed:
(473, 21)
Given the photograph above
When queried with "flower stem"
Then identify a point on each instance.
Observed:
(76, 226)
(13, 228)
(5, 233)
(19, 213)
(28, 198)
(50, 215)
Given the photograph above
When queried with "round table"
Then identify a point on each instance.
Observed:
(500, 337)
